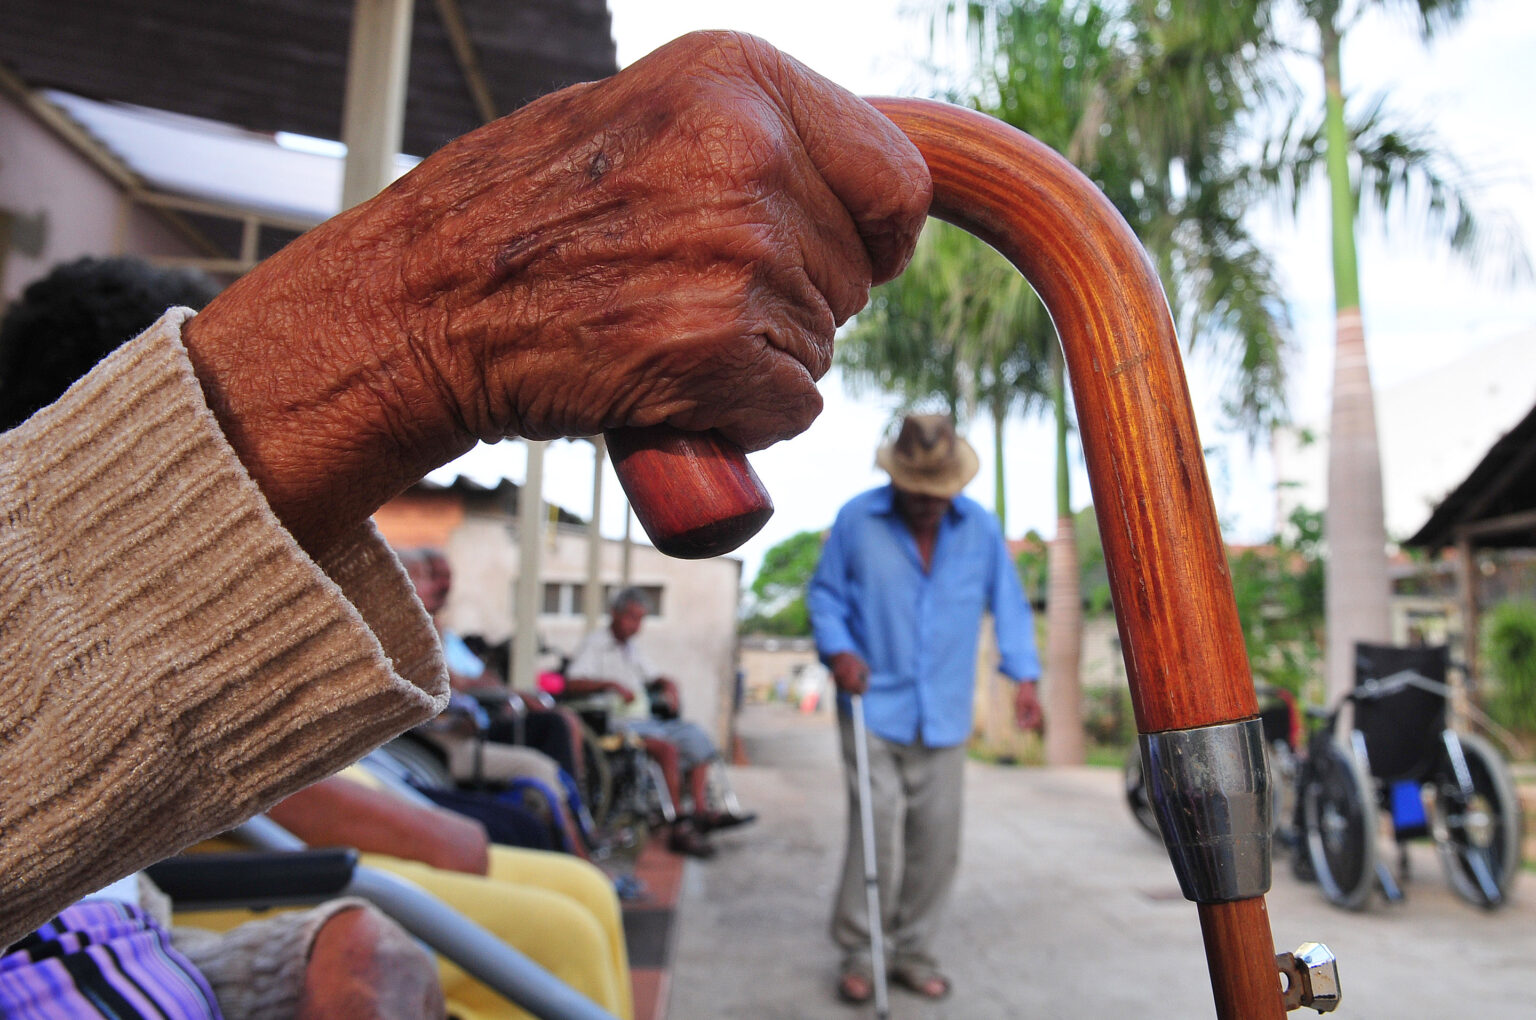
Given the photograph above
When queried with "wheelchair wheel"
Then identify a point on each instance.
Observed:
(1339, 821)
(597, 776)
(424, 764)
(1478, 835)
(1136, 793)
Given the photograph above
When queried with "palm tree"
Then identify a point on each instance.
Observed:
(1147, 103)
(1366, 158)
(960, 328)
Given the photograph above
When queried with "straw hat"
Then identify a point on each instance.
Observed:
(927, 457)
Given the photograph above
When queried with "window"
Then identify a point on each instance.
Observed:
(565, 598)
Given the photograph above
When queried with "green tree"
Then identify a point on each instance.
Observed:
(778, 591)
(1509, 652)
(1279, 590)
(1147, 102)
(1363, 158)
(961, 329)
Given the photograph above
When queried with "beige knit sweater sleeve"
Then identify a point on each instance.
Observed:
(171, 662)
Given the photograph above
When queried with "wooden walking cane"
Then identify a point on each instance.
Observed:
(1190, 686)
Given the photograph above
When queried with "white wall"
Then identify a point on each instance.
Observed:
(40, 174)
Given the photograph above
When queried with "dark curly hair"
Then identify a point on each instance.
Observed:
(79, 313)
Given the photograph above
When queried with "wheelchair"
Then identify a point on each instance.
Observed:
(1397, 758)
(638, 799)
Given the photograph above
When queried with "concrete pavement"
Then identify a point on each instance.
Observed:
(1064, 908)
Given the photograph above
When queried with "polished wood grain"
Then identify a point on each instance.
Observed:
(693, 492)
(1239, 946)
(1167, 565)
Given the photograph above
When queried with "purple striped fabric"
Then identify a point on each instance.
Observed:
(102, 958)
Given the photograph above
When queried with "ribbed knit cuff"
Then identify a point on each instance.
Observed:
(174, 661)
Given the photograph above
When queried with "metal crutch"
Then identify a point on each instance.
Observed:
(871, 873)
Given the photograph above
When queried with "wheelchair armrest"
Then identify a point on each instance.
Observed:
(201, 881)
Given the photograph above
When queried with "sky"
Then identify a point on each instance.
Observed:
(1475, 87)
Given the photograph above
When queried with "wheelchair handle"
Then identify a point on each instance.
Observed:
(1178, 623)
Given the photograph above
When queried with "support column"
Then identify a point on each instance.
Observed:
(626, 572)
(592, 598)
(1466, 593)
(530, 551)
(373, 116)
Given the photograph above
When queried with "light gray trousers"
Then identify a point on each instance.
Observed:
(916, 793)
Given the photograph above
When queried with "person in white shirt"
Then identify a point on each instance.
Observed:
(607, 662)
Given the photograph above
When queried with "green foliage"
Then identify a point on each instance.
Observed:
(949, 330)
(1509, 658)
(1033, 565)
(1091, 566)
(1152, 100)
(1279, 590)
(777, 605)
(1108, 718)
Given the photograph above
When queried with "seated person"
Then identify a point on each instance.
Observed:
(343, 958)
(476, 753)
(559, 911)
(216, 475)
(551, 730)
(607, 662)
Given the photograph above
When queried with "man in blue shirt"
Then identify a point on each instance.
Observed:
(896, 605)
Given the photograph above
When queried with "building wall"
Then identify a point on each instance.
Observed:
(81, 210)
(772, 667)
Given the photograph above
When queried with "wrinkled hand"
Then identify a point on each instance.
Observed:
(1027, 713)
(674, 244)
(850, 673)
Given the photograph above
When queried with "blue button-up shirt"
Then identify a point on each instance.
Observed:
(917, 629)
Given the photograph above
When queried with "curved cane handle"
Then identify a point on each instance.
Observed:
(1162, 544)
(1167, 566)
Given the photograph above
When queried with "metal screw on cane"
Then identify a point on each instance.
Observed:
(1311, 977)
(871, 874)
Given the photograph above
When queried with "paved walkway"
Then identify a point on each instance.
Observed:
(1064, 908)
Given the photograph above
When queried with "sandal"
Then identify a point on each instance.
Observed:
(924, 980)
(856, 984)
(715, 820)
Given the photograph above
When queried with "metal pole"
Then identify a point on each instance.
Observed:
(592, 595)
(871, 869)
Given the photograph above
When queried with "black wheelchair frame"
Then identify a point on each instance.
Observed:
(1392, 752)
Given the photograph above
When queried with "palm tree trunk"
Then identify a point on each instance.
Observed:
(1000, 501)
(1062, 688)
(1358, 589)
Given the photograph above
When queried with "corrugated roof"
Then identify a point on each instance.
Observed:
(280, 65)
